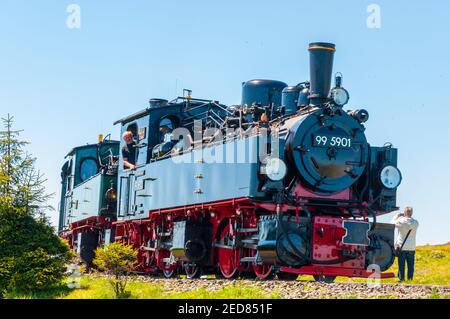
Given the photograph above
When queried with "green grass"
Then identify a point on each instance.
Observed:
(432, 267)
(100, 288)
(435, 295)
(51, 293)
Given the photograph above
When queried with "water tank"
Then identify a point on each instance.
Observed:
(262, 92)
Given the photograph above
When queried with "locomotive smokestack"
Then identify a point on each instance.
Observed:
(321, 67)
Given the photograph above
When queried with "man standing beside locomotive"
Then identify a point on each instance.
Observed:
(129, 151)
(406, 236)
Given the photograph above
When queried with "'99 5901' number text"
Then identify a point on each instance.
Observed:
(327, 141)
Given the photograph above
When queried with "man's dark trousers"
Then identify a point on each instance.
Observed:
(407, 256)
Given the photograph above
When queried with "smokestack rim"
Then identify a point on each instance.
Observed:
(322, 46)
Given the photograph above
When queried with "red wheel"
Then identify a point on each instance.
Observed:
(192, 271)
(228, 257)
(263, 272)
(169, 272)
(168, 269)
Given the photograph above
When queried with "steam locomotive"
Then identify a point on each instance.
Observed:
(283, 184)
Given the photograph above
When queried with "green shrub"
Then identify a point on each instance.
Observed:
(21, 233)
(5, 275)
(37, 270)
(117, 260)
(32, 256)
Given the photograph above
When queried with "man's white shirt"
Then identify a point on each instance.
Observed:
(403, 225)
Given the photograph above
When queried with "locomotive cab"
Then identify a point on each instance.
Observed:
(88, 193)
(151, 129)
(85, 166)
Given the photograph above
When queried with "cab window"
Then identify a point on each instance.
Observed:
(88, 168)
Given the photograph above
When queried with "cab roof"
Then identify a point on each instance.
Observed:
(75, 149)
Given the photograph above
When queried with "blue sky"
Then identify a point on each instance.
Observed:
(64, 86)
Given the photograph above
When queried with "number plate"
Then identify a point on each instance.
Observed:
(356, 233)
(331, 140)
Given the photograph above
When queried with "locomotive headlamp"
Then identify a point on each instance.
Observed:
(340, 96)
(390, 177)
(111, 194)
(275, 169)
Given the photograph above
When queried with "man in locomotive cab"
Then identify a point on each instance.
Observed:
(406, 227)
(166, 133)
(166, 142)
(129, 151)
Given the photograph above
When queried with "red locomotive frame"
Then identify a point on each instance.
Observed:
(225, 216)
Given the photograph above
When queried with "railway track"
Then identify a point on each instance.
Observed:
(301, 289)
